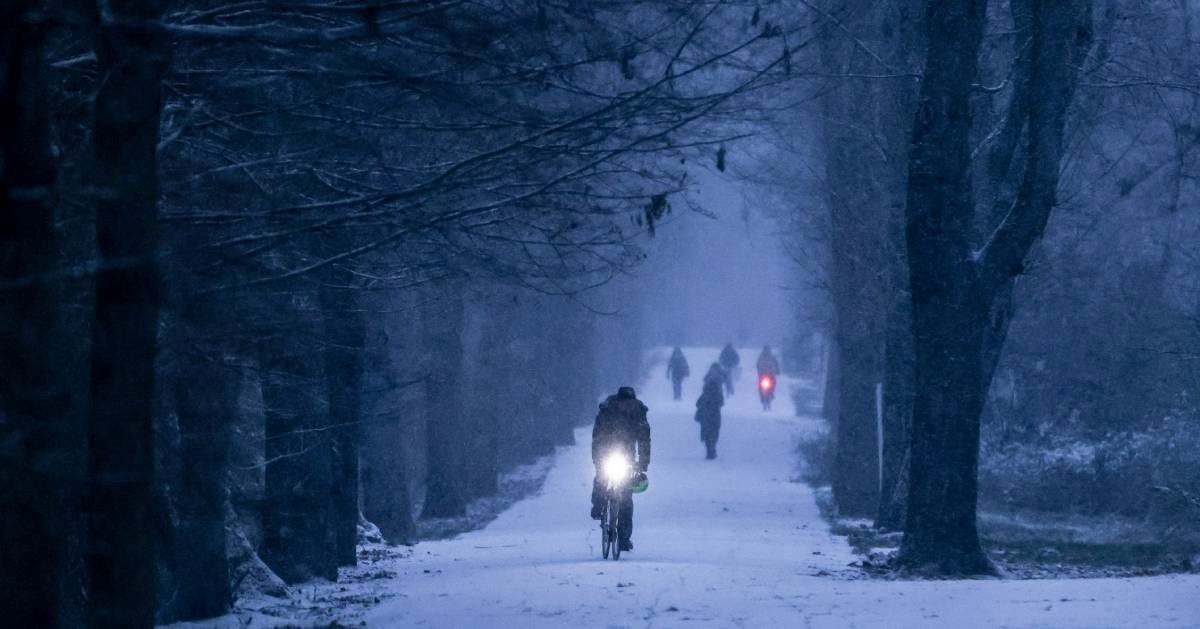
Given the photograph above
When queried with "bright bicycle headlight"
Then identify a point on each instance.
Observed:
(616, 467)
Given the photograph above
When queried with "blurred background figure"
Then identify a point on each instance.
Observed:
(729, 362)
(677, 370)
(767, 363)
(768, 375)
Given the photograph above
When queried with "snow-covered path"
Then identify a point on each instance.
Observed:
(729, 540)
(724, 543)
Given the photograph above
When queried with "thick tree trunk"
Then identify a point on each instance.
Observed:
(830, 399)
(905, 44)
(121, 559)
(387, 498)
(960, 295)
(207, 386)
(477, 377)
(447, 495)
(897, 414)
(35, 411)
(394, 440)
(865, 166)
(448, 428)
(204, 403)
(299, 523)
(344, 354)
(940, 529)
(856, 469)
(859, 302)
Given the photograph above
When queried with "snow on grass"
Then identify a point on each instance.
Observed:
(513, 485)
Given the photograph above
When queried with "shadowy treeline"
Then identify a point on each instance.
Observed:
(269, 268)
(996, 215)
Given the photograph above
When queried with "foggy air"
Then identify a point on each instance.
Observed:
(603, 313)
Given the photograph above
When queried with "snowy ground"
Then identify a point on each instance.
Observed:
(725, 543)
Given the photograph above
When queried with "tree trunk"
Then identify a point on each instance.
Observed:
(478, 375)
(858, 299)
(299, 523)
(905, 43)
(345, 339)
(206, 396)
(856, 470)
(865, 152)
(830, 400)
(448, 427)
(121, 559)
(897, 414)
(960, 295)
(940, 530)
(394, 440)
(35, 410)
(387, 499)
(940, 526)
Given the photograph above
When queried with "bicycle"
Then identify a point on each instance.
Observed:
(616, 474)
(766, 390)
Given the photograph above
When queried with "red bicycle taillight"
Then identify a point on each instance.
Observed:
(766, 384)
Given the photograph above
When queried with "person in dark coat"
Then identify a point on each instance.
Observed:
(621, 425)
(729, 360)
(708, 410)
(677, 370)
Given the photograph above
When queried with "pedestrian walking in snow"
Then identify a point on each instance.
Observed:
(708, 410)
(729, 360)
(677, 370)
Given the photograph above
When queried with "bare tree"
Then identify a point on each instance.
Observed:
(867, 53)
(35, 409)
(959, 286)
(121, 556)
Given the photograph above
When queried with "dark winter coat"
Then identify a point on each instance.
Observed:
(729, 358)
(622, 424)
(708, 410)
(677, 367)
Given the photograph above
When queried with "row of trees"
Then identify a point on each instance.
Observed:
(270, 265)
(967, 200)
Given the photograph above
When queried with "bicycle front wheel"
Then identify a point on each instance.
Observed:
(614, 528)
(607, 539)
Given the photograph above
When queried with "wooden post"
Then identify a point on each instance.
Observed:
(879, 429)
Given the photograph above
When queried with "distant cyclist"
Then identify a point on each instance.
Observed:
(767, 363)
(768, 376)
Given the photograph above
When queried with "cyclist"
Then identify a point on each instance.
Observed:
(621, 425)
(768, 376)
